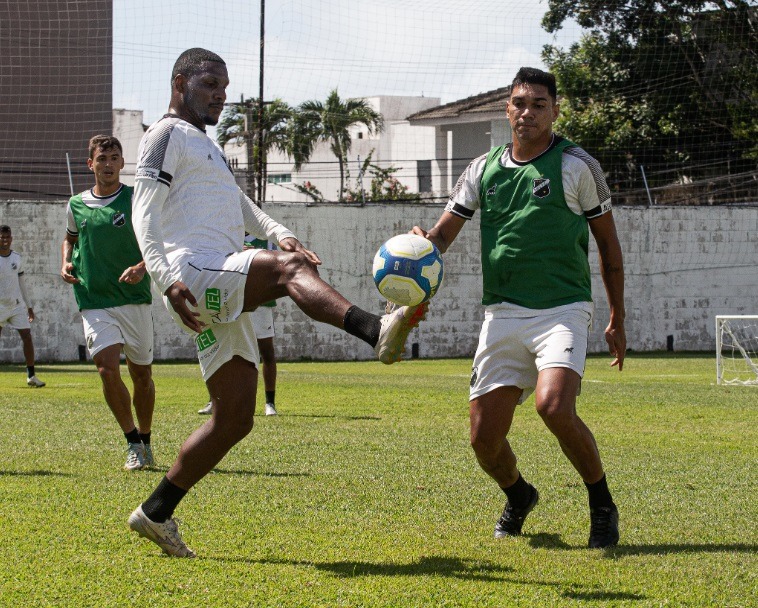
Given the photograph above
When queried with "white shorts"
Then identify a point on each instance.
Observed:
(222, 341)
(263, 322)
(130, 325)
(514, 348)
(218, 283)
(16, 318)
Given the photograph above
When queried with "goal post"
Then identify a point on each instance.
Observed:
(737, 349)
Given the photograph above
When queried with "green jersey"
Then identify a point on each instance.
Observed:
(106, 246)
(534, 247)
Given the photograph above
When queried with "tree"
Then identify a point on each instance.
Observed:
(239, 125)
(315, 122)
(668, 85)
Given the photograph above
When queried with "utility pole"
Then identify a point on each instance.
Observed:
(259, 148)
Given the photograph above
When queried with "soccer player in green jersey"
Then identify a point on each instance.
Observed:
(538, 197)
(101, 259)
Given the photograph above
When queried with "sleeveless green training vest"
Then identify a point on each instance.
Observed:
(534, 248)
(105, 248)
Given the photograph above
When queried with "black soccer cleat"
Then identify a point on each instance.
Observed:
(604, 527)
(512, 519)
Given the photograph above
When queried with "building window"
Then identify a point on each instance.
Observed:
(279, 178)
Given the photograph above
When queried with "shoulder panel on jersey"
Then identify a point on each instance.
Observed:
(603, 192)
(154, 149)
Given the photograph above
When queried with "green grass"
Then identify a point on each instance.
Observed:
(365, 492)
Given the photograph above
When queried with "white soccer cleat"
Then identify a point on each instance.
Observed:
(270, 410)
(207, 409)
(35, 382)
(149, 457)
(165, 535)
(395, 329)
(135, 457)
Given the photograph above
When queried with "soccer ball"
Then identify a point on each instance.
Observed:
(408, 269)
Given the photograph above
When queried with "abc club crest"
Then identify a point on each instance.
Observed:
(119, 219)
(541, 187)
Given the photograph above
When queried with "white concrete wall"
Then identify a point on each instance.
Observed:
(128, 128)
(684, 265)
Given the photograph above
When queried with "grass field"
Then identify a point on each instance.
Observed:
(365, 492)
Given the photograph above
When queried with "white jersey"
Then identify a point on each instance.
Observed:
(584, 186)
(10, 289)
(186, 201)
(93, 201)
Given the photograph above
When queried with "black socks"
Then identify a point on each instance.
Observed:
(599, 494)
(162, 502)
(519, 494)
(363, 325)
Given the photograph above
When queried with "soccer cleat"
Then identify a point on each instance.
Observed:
(604, 527)
(395, 329)
(135, 457)
(35, 382)
(165, 535)
(149, 458)
(512, 519)
(270, 409)
(206, 409)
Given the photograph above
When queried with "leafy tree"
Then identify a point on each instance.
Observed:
(239, 125)
(383, 187)
(315, 122)
(668, 85)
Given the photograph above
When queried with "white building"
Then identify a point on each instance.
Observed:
(128, 129)
(409, 149)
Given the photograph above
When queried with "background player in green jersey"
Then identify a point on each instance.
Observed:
(101, 259)
(539, 197)
(15, 306)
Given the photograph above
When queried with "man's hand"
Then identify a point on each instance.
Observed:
(615, 336)
(178, 295)
(66, 275)
(293, 245)
(133, 274)
(30, 313)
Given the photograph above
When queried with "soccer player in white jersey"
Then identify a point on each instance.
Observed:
(538, 199)
(15, 307)
(100, 258)
(190, 218)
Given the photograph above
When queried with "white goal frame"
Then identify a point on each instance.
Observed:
(749, 357)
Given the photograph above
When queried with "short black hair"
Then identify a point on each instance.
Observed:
(535, 76)
(5, 228)
(106, 142)
(189, 62)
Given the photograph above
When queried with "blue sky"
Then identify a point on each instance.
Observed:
(437, 48)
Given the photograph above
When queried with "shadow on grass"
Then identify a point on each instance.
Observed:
(37, 473)
(599, 596)
(288, 415)
(438, 566)
(553, 541)
(258, 473)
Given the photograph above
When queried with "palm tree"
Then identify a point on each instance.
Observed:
(239, 124)
(314, 122)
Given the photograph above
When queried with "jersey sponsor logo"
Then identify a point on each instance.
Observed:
(147, 173)
(213, 299)
(541, 187)
(205, 339)
(119, 219)
(491, 191)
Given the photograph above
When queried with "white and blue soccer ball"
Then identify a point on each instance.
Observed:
(408, 269)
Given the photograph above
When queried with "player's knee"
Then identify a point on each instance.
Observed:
(295, 264)
(485, 449)
(108, 373)
(553, 410)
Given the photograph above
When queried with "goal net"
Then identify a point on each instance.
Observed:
(737, 349)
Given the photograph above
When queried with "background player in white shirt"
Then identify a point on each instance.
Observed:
(15, 307)
(190, 218)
